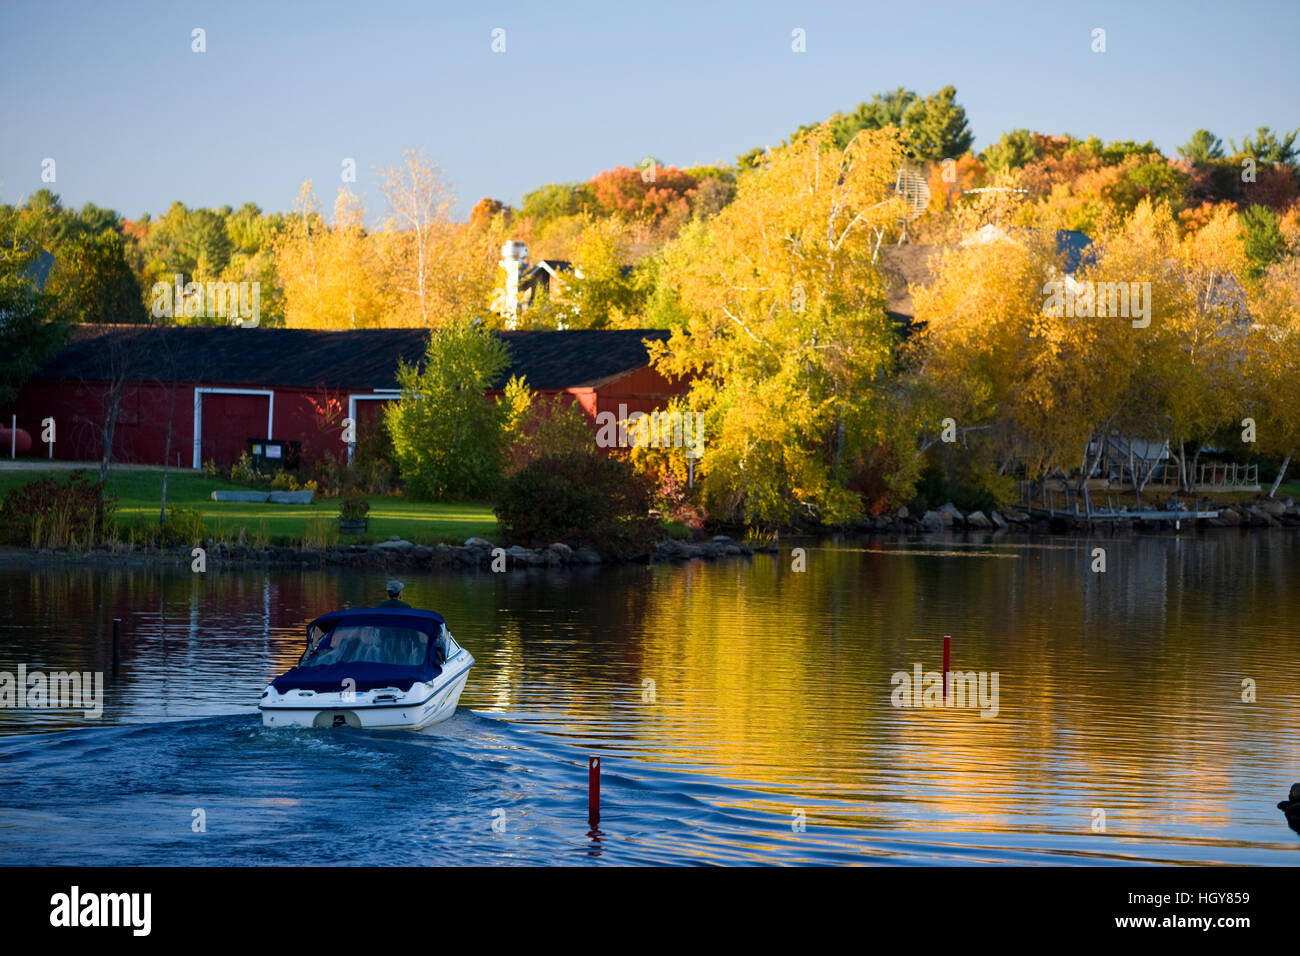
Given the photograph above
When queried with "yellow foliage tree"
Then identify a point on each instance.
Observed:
(787, 342)
(1145, 341)
(329, 275)
(432, 267)
(995, 361)
(1274, 356)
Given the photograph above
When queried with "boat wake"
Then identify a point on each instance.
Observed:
(470, 790)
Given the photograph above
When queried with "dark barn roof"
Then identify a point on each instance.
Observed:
(307, 358)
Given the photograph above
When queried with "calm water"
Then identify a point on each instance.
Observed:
(770, 703)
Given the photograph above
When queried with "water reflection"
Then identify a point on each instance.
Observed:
(1120, 691)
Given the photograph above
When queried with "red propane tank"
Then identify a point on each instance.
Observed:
(22, 446)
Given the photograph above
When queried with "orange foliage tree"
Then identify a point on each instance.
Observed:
(645, 194)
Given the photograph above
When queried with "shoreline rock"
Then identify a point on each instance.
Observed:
(397, 553)
(393, 554)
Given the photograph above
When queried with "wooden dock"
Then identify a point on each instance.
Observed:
(1069, 507)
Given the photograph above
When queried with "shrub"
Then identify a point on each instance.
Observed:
(54, 528)
(184, 525)
(51, 513)
(968, 487)
(244, 472)
(557, 428)
(577, 500)
(353, 507)
(321, 532)
(677, 531)
(284, 481)
(666, 470)
(325, 473)
(146, 534)
(676, 501)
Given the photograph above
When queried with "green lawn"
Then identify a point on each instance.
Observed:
(139, 493)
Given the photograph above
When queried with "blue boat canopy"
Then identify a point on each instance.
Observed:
(430, 622)
(405, 641)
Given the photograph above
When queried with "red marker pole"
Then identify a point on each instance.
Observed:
(593, 790)
(947, 656)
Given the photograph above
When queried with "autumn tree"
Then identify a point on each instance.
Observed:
(1273, 357)
(1094, 187)
(553, 212)
(1194, 344)
(786, 338)
(600, 290)
(485, 210)
(539, 427)
(948, 180)
(1014, 149)
(332, 277)
(434, 266)
(415, 232)
(712, 196)
(649, 194)
(1034, 384)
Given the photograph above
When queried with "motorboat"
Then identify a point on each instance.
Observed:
(372, 668)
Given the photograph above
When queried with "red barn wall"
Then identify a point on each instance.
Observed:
(79, 409)
(643, 390)
(229, 420)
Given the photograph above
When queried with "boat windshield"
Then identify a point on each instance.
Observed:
(380, 645)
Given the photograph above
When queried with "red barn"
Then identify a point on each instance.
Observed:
(215, 387)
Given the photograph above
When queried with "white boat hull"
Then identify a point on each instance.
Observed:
(383, 708)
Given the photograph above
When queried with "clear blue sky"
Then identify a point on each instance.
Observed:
(285, 91)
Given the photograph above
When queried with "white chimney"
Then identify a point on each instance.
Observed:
(514, 257)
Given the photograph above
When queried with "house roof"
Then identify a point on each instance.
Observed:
(550, 266)
(307, 358)
(901, 268)
(546, 269)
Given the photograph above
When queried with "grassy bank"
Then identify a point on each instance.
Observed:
(139, 494)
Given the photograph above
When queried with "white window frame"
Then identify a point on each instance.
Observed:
(198, 414)
(378, 395)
